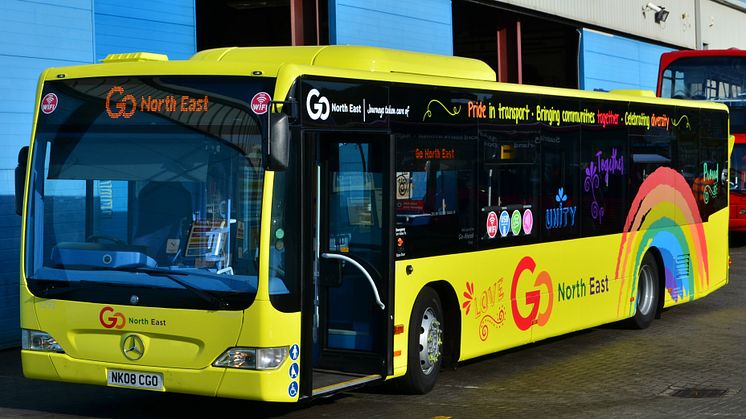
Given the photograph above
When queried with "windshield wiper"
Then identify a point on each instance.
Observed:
(54, 288)
(207, 296)
(51, 290)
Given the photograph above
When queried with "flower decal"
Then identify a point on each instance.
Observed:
(469, 295)
(590, 171)
(561, 197)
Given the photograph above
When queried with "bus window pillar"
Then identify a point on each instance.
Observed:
(509, 62)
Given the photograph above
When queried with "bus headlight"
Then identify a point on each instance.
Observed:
(35, 340)
(252, 358)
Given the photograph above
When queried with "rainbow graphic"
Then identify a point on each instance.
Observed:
(665, 215)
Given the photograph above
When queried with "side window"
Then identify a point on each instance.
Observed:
(65, 213)
(713, 184)
(651, 147)
(687, 159)
(355, 196)
(435, 194)
(604, 173)
(687, 144)
(673, 84)
(560, 181)
(509, 188)
(285, 238)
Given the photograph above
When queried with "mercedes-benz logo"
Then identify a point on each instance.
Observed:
(133, 347)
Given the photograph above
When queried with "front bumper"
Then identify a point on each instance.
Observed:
(272, 385)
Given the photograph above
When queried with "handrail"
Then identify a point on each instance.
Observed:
(360, 267)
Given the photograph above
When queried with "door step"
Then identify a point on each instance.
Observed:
(327, 382)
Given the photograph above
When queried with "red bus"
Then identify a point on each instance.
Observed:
(718, 76)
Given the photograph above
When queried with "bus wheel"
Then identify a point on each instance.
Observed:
(425, 353)
(647, 293)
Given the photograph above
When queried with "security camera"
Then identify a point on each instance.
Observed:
(661, 14)
(653, 7)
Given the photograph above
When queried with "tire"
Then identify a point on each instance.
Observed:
(646, 303)
(425, 344)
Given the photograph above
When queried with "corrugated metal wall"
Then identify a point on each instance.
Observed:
(35, 35)
(615, 62)
(722, 27)
(44, 33)
(718, 18)
(415, 25)
(162, 26)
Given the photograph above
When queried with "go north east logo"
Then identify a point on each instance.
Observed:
(533, 297)
(109, 320)
(120, 104)
(317, 106)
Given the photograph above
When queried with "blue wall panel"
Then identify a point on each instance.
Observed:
(415, 25)
(37, 34)
(614, 62)
(161, 26)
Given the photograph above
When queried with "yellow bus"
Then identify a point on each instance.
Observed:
(283, 223)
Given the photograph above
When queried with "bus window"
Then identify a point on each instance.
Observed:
(705, 78)
(651, 147)
(285, 240)
(604, 173)
(713, 163)
(435, 187)
(509, 187)
(560, 183)
(738, 168)
(148, 192)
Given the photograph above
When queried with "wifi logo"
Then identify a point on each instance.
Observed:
(260, 103)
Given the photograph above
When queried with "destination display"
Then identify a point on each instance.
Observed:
(188, 100)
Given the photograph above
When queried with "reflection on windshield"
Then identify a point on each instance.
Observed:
(146, 202)
(738, 169)
(717, 79)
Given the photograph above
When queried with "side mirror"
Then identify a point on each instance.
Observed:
(278, 152)
(21, 178)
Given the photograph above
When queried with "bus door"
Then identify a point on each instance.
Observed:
(351, 275)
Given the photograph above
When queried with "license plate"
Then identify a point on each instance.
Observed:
(134, 379)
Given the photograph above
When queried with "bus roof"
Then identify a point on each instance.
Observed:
(357, 58)
(353, 62)
(669, 57)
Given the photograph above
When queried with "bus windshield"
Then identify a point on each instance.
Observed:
(147, 191)
(718, 79)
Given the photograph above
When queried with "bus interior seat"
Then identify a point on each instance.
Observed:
(163, 212)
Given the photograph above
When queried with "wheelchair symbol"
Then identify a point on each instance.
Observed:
(293, 389)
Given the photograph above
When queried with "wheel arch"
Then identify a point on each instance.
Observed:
(656, 253)
(452, 317)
